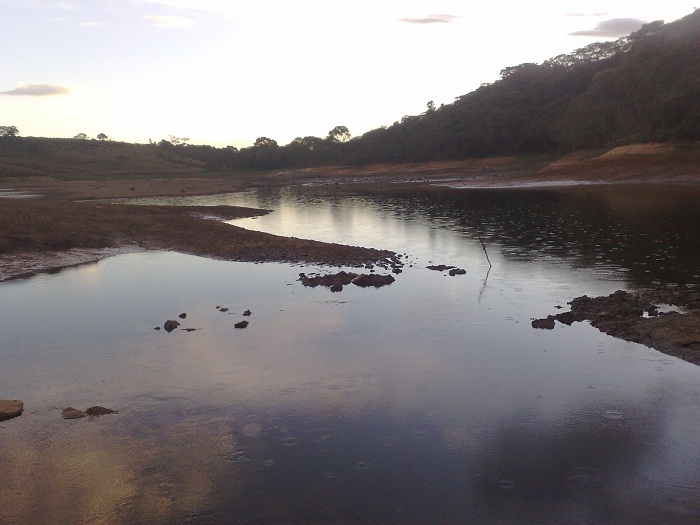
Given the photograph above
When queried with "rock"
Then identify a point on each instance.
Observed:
(440, 267)
(247, 313)
(377, 281)
(10, 408)
(337, 288)
(182, 315)
(242, 324)
(72, 413)
(156, 327)
(547, 323)
(457, 271)
(189, 329)
(222, 309)
(170, 325)
(99, 411)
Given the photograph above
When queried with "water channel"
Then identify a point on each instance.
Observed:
(431, 400)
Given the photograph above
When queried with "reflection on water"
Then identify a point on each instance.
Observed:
(431, 400)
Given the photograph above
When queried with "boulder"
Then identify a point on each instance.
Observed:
(182, 315)
(242, 324)
(170, 325)
(10, 408)
(247, 313)
(457, 271)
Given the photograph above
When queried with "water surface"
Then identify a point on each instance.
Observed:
(431, 400)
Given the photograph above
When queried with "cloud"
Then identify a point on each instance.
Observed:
(615, 27)
(91, 24)
(430, 19)
(169, 21)
(38, 90)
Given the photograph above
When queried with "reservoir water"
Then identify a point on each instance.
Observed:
(431, 400)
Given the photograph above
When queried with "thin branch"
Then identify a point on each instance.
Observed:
(487, 253)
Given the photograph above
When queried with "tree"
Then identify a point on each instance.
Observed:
(102, 136)
(81, 136)
(339, 134)
(264, 141)
(8, 131)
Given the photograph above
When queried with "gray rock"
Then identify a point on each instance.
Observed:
(10, 408)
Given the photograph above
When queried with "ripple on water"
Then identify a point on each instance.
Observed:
(612, 414)
(584, 479)
(506, 485)
(362, 465)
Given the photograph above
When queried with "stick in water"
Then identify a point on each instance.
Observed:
(487, 253)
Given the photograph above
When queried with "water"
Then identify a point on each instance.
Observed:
(431, 400)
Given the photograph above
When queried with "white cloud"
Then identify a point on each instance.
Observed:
(430, 19)
(38, 90)
(615, 27)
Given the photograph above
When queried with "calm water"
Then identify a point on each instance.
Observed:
(428, 401)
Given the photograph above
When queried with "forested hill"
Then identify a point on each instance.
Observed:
(643, 87)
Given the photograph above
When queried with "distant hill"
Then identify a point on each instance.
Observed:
(85, 159)
(641, 88)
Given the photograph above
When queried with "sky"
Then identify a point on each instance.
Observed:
(224, 72)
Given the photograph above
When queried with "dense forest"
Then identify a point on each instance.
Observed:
(640, 88)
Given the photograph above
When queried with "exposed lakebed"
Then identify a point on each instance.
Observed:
(430, 399)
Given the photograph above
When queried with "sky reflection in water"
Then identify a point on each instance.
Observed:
(430, 400)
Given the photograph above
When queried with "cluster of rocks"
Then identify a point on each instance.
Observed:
(451, 270)
(240, 324)
(172, 324)
(10, 408)
(336, 281)
(637, 317)
(74, 413)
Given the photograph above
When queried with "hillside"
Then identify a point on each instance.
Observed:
(638, 89)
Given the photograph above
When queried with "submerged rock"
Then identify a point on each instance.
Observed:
(440, 267)
(170, 325)
(72, 413)
(10, 408)
(377, 281)
(100, 411)
(547, 323)
(457, 271)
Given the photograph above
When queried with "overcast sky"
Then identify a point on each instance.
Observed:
(224, 72)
